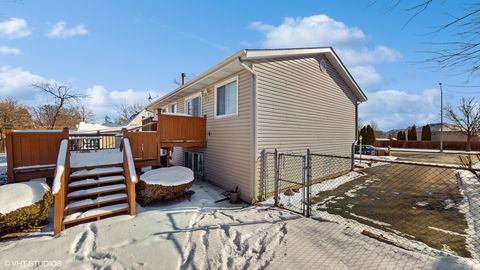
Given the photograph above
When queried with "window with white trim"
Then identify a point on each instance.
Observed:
(193, 105)
(226, 98)
(194, 161)
(173, 108)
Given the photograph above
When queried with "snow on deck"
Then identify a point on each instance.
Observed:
(200, 234)
(92, 158)
(18, 195)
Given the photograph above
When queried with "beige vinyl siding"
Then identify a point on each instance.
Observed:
(301, 107)
(228, 155)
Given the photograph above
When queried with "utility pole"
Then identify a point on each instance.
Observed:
(441, 117)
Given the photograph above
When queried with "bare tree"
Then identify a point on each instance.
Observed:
(462, 51)
(86, 115)
(62, 96)
(466, 117)
(126, 111)
(13, 113)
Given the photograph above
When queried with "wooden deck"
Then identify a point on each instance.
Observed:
(33, 154)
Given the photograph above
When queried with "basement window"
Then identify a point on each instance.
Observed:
(226, 98)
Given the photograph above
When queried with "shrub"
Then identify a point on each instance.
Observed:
(26, 217)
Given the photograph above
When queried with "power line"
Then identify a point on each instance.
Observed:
(462, 86)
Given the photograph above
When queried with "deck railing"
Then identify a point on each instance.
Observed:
(32, 153)
(181, 130)
(92, 141)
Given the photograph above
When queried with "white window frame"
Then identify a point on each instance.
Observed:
(215, 98)
(176, 107)
(190, 157)
(185, 108)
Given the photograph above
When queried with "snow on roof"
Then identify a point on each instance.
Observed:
(90, 127)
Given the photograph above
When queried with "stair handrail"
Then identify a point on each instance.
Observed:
(130, 175)
(129, 160)
(62, 172)
(60, 168)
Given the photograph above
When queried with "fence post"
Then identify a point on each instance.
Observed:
(277, 176)
(9, 151)
(309, 181)
(353, 156)
(263, 173)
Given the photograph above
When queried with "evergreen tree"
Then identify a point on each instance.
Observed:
(370, 135)
(426, 133)
(412, 133)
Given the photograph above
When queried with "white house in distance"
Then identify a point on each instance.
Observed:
(289, 99)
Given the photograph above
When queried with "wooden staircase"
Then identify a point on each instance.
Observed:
(96, 193)
(93, 193)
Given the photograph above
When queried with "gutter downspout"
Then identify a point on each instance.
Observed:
(254, 149)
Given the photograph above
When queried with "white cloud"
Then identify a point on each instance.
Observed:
(4, 50)
(398, 109)
(14, 28)
(366, 75)
(104, 102)
(60, 30)
(365, 56)
(17, 82)
(323, 31)
(316, 30)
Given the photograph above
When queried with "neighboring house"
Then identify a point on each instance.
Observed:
(135, 121)
(451, 133)
(289, 99)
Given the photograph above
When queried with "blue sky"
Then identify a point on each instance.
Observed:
(119, 51)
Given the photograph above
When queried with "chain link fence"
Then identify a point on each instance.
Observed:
(423, 207)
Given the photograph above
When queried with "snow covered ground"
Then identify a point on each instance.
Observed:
(201, 234)
(470, 188)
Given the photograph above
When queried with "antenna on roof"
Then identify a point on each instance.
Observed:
(149, 97)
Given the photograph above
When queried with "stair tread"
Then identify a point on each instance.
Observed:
(96, 171)
(95, 190)
(97, 212)
(92, 181)
(100, 199)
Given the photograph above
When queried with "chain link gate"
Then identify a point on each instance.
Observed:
(292, 178)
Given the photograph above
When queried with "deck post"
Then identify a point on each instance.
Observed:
(159, 138)
(9, 146)
(205, 128)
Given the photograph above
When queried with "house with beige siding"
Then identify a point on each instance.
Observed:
(254, 100)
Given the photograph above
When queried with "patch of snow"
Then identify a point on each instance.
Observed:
(96, 211)
(18, 195)
(96, 190)
(99, 199)
(469, 186)
(371, 220)
(334, 183)
(100, 180)
(35, 167)
(168, 176)
(375, 158)
(445, 231)
(420, 150)
(60, 169)
(98, 158)
(422, 203)
(97, 171)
